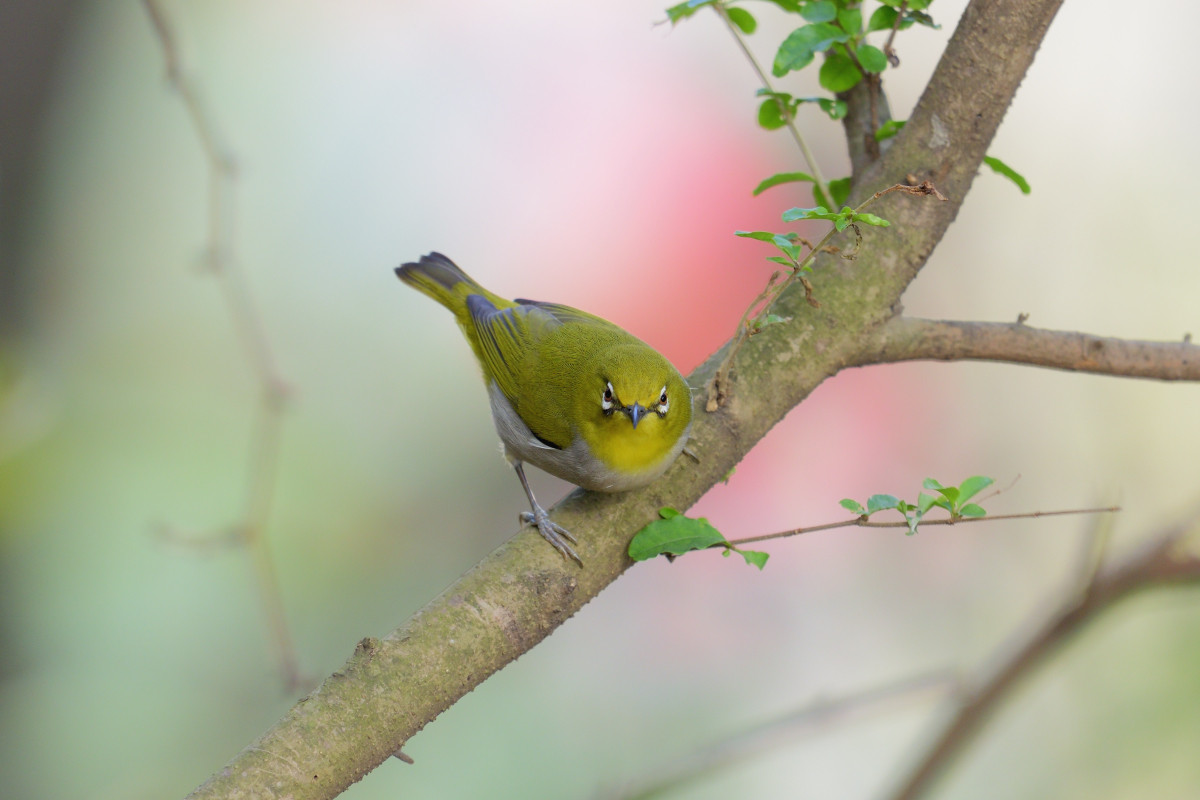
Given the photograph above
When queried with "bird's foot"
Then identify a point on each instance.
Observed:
(552, 532)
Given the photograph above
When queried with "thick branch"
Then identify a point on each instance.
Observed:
(909, 339)
(1158, 562)
(510, 601)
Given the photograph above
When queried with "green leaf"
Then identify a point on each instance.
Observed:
(883, 19)
(925, 502)
(755, 558)
(840, 189)
(742, 18)
(798, 49)
(782, 242)
(921, 18)
(836, 109)
(675, 535)
(871, 219)
(972, 510)
(839, 73)
(781, 178)
(889, 129)
(781, 260)
(685, 10)
(851, 20)
(880, 502)
(840, 223)
(950, 493)
(930, 483)
(791, 6)
(871, 58)
(821, 11)
(762, 236)
(973, 486)
(770, 116)
(666, 512)
(853, 506)
(1000, 167)
(913, 521)
(820, 212)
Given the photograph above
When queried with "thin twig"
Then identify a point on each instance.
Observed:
(863, 522)
(813, 167)
(888, 51)
(263, 467)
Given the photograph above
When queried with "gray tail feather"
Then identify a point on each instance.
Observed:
(435, 267)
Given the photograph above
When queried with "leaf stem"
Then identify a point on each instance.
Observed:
(818, 178)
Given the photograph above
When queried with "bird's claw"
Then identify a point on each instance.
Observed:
(552, 532)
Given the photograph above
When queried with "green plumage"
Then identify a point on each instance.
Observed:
(570, 392)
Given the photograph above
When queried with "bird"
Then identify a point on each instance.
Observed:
(570, 393)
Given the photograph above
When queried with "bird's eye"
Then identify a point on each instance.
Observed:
(663, 405)
(606, 399)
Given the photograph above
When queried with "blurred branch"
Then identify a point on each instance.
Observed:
(1161, 561)
(515, 597)
(265, 439)
(817, 716)
(911, 339)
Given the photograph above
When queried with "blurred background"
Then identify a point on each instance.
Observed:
(584, 154)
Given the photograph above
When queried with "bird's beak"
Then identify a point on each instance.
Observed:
(635, 412)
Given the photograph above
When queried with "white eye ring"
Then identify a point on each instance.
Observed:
(607, 397)
(663, 404)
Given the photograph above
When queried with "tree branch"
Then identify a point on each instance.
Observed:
(1161, 561)
(910, 339)
(391, 688)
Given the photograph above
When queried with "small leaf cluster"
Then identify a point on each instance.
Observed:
(675, 534)
(833, 27)
(840, 219)
(789, 243)
(952, 499)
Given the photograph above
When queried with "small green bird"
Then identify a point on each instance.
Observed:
(570, 392)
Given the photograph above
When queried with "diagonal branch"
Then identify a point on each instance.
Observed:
(391, 688)
(1161, 561)
(910, 339)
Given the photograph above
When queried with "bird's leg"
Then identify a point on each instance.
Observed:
(551, 531)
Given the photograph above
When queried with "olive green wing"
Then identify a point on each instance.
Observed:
(564, 314)
(507, 340)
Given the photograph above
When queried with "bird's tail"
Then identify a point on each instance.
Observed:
(441, 279)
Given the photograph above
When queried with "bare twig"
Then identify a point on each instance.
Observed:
(1160, 561)
(264, 457)
(863, 522)
(888, 50)
(912, 339)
